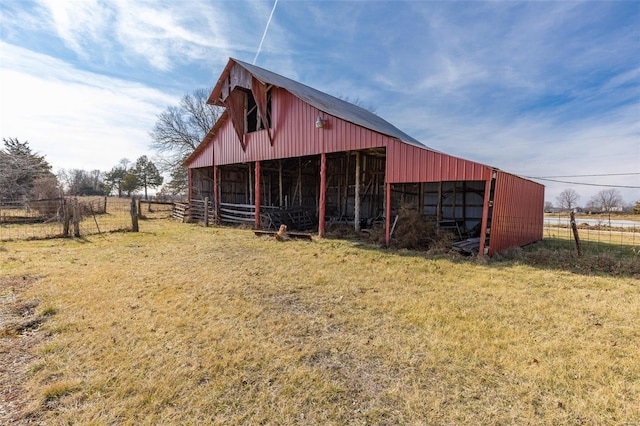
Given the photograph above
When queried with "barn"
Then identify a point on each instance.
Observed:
(283, 152)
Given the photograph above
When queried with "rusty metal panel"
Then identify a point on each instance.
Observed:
(518, 212)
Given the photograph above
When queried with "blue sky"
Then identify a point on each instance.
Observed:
(533, 88)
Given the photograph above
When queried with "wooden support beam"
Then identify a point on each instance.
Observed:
(280, 192)
(356, 207)
(299, 187)
(485, 216)
(439, 205)
(388, 216)
(344, 207)
(257, 190)
(190, 184)
(323, 195)
(250, 185)
(216, 194)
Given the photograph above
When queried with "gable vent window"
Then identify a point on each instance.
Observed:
(254, 122)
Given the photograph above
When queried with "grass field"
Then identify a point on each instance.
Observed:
(182, 324)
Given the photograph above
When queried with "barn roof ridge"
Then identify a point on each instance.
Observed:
(327, 103)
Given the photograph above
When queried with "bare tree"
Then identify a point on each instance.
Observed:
(607, 199)
(567, 199)
(180, 129)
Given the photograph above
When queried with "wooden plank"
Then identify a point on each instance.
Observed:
(300, 235)
(241, 212)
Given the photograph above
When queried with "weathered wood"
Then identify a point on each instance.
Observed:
(485, 216)
(67, 218)
(323, 192)
(206, 211)
(134, 215)
(257, 197)
(576, 237)
(356, 207)
(280, 191)
(76, 218)
(301, 235)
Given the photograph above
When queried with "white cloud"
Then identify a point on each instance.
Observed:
(75, 118)
(160, 33)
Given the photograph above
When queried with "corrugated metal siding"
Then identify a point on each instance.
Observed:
(518, 212)
(204, 158)
(294, 134)
(407, 163)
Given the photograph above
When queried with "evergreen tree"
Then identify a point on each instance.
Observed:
(22, 172)
(147, 174)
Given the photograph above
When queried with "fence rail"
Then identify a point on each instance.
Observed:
(237, 213)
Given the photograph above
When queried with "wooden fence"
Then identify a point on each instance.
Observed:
(64, 217)
(237, 213)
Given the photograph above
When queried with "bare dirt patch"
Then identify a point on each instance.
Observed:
(19, 335)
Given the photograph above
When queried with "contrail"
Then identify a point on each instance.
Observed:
(265, 32)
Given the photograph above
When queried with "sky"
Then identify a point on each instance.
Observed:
(538, 89)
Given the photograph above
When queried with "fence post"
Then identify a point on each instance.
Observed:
(134, 215)
(76, 218)
(206, 211)
(65, 212)
(574, 228)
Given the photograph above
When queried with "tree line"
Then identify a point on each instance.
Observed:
(25, 174)
(605, 201)
(179, 129)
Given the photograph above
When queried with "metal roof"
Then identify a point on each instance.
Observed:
(330, 104)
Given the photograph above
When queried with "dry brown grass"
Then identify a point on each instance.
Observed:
(188, 325)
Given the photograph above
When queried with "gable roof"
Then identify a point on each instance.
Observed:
(320, 100)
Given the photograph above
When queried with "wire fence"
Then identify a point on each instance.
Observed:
(618, 233)
(81, 216)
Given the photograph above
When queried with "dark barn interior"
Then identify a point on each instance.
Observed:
(290, 194)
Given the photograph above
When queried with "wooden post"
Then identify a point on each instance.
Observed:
(574, 228)
(280, 196)
(76, 218)
(421, 200)
(257, 196)
(387, 215)
(206, 211)
(216, 195)
(356, 207)
(299, 181)
(323, 194)
(134, 215)
(67, 218)
(104, 210)
(190, 189)
(485, 216)
(251, 185)
(439, 205)
(344, 205)
(139, 205)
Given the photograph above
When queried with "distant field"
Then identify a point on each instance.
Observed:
(181, 324)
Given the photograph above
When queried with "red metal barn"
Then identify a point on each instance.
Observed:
(283, 152)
